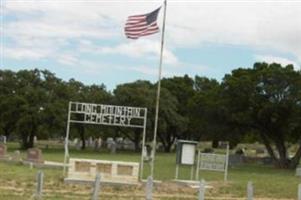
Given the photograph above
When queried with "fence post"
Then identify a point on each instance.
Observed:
(96, 187)
(149, 188)
(202, 190)
(299, 192)
(40, 179)
(250, 191)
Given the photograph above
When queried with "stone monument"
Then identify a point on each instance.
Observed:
(34, 155)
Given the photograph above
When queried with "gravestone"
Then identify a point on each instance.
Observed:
(222, 144)
(235, 159)
(34, 155)
(16, 156)
(113, 147)
(267, 160)
(298, 171)
(3, 149)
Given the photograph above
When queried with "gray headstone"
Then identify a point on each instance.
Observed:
(113, 147)
(235, 159)
(298, 171)
(16, 156)
(267, 160)
(34, 155)
(3, 149)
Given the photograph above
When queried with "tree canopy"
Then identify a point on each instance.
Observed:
(262, 103)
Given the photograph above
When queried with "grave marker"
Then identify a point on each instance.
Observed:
(34, 155)
(16, 156)
(298, 171)
(3, 149)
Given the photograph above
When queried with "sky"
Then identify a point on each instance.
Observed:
(84, 39)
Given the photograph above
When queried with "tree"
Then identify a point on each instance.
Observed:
(143, 94)
(29, 87)
(266, 100)
(138, 94)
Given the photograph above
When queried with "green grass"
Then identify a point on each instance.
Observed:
(268, 181)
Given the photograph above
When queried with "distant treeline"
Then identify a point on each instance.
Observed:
(262, 104)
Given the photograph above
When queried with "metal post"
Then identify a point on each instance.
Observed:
(40, 179)
(177, 171)
(226, 164)
(197, 166)
(143, 144)
(158, 93)
(149, 188)
(202, 190)
(67, 139)
(96, 187)
(191, 172)
(299, 192)
(250, 191)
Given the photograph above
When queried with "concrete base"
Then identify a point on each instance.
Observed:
(191, 183)
(46, 164)
(154, 181)
(89, 182)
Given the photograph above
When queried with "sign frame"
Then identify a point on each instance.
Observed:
(212, 156)
(180, 157)
(108, 115)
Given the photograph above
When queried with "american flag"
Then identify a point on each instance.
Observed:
(142, 25)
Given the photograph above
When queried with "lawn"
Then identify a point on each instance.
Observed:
(18, 181)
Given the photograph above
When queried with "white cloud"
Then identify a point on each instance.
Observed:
(67, 59)
(279, 60)
(152, 71)
(142, 48)
(258, 24)
(25, 53)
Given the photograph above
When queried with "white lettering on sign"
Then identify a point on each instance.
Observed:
(209, 161)
(108, 114)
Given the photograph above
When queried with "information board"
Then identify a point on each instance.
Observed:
(188, 154)
(215, 162)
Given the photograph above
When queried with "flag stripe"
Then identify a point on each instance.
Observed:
(141, 25)
(139, 28)
(143, 32)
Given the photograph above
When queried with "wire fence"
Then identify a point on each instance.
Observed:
(41, 193)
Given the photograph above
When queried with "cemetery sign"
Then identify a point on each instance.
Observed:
(107, 114)
(110, 115)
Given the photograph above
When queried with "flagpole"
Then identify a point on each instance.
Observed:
(158, 93)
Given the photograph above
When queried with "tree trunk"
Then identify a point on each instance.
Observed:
(283, 162)
(137, 134)
(31, 141)
(7, 133)
(82, 136)
(296, 159)
(214, 143)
